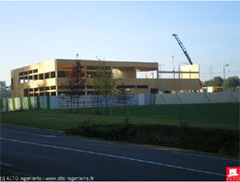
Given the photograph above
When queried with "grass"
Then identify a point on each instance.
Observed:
(209, 116)
(203, 127)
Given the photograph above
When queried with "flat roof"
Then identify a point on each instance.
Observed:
(140, 66)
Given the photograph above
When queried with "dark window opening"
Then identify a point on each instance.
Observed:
(61, 74)
(53, 93)
(154, 91)
(53, 87)
(30, 78)
(142, 86)
(125, 86)
(35, 71)
(35, 77)
(25, 91)
(41, 88)
(40, 76)
(46, 75)
(53, 74)
(12, 83)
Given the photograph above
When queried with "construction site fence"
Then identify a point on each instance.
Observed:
(91, 101)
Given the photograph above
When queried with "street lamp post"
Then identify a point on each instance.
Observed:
(224, 74)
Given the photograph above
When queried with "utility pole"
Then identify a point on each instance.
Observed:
(160, 66)
(224, 74)
(173, 67)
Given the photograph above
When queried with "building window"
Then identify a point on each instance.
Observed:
(40, 76)
(53, 87)
(61, 74)
(21, 80)
(25, 79)
(53, 93)
(12, 84)
(35, 77)
(25, 91)
(154, 91)
(30, 78)
(53, 74)
(46, 75)
(142, 86)
(35, 71)
(125, 86)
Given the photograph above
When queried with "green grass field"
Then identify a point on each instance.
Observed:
(210, 116)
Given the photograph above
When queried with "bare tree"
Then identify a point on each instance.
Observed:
(122, 97)
(76, 82)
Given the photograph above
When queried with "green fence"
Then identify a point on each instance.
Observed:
(28, 103)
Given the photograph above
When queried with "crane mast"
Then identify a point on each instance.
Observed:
(183, 48)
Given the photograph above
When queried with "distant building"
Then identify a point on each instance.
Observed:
(49, 77)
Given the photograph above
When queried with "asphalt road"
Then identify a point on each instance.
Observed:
(40, 153)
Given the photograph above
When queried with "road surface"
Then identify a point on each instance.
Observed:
(40, 153)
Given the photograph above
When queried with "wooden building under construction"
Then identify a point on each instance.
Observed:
(48, 78)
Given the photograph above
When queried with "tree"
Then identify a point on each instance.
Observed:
(76, 83)
(122, 97)
(216, 81)
(232, 82)
(5, 90)
(103, 82)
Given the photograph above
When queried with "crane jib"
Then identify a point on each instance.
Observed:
(183, 48)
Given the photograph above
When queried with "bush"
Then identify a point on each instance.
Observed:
(207, 140)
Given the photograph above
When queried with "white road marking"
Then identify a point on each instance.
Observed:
(114, 156)
(34, 134)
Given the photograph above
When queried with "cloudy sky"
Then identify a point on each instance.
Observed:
(33, 32)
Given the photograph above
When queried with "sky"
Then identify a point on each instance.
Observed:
(33, 32)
